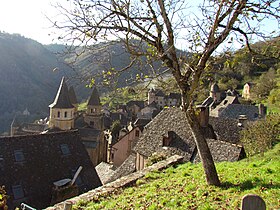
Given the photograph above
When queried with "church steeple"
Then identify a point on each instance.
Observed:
(62, 110)
(73, 99)
(94, 99)
(93, 113)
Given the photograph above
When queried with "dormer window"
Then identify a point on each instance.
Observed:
(19, 156)
(166, 141)
(65, 149)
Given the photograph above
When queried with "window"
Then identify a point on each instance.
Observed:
(137, 133)
(58, 114)
(65, 114)
(19, 156)
(65, 149)
(17, 192)
(91, 123)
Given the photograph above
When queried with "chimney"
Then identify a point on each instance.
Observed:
(203, 115)
(262, 110)
(242, 121)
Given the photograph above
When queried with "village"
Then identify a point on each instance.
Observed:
(71, 152)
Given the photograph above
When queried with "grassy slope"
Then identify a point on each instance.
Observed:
(183, 187)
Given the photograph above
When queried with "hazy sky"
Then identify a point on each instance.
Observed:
(28, 18)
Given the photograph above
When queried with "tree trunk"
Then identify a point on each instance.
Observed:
(203, 151)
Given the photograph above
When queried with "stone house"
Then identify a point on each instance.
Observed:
(169, 133)
(64, 116)
(246, 92)
(157, 96)
(121, 150)
(149, 111)
(30, 165)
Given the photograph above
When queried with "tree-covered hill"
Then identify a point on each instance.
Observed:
(27, 79)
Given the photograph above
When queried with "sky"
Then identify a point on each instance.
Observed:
(28, 18)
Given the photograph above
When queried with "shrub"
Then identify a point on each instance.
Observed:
(261, 135)
(155, 157)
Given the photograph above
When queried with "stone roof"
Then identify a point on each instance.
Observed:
(119, 116)
(127, 167)
(89, 133)
(72, 95)
(173, 119)
(140, 104)
(32, 163)
(94, 99)
(174, 96)
(62, 100)
(233, 111)
(170, 119)
(159, 92)
(105, 171)
(224, 151)
(226, 129)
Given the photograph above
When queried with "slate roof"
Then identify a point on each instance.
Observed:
(170, 119)
(173, 119)
(234, 110)
(137, 103)
(159, 92)
(119, 116)
(105, 171)
(226, 129)
(175, 96)
(62, 99)
(224, 151)
(32, 163)
(72, 95)
(127, 167)
(94, 99)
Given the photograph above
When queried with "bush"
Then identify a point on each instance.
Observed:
(261, 135)
(154, 158)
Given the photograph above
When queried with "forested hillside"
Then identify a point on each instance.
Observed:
(30, 72)
(27, 79)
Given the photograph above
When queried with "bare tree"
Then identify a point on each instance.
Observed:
(153, 28)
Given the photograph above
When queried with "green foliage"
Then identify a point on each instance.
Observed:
(261, 135)
(123, 95)
(155, 157)
(3, 198)
(184, 187)
(82, 106)
(265, 84)
(115, 128)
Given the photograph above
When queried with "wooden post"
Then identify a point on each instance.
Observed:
(67, 205)
(252, 202)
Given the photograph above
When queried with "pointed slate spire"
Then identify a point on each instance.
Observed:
(94, 98)
(62, 99)
(72, 95)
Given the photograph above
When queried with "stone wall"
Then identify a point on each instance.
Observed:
(119, 183)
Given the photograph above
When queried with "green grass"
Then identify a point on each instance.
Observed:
(184, 187)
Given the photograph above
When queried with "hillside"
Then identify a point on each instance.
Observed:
(184, 187)
(27, 79)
